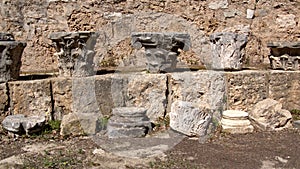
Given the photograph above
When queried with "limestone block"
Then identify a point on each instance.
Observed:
(128, 122)
(84, 95)
(110, 92)
(3, 98)
(19, 123)
(189, 118)
(245, 89)
(161, 49)
(62, 97)
(10, 60)
(227, 50)
(13, 123)
(204, 88)
(217, 4)
(75, 52)
(80, 124)
(148, 91)
(284, 55)
(268, 115)
(235, 121)
(31, 97)
(285, 88)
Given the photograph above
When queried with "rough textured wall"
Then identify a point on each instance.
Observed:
(33, 20)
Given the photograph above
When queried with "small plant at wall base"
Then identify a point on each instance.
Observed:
(296, 114)
(102, 123)
(161, 123)
(52, 127)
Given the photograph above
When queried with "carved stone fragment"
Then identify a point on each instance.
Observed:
(75, 52)
(227, 50)
(10, 57)
(285, 55)
(128, 122)
(162, 49)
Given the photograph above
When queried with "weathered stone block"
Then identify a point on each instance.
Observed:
(19, 123)
(3, 98)
(268, 115)
(227, 50)
(10, 60)
(161, 49)
(204, 88)
(189, 118)
(128, 122)
(285, 55)
(285, 88)
(62, 97)
(246, 88)
(75, 52)
(84, 95)
(80, 124)
(148, 91)
(235, 121)
(31, 97)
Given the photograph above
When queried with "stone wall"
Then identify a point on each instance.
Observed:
(215, 90)
(115, 20)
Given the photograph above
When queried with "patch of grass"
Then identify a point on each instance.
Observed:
(162, 123)
(296, 114)
(103, 122)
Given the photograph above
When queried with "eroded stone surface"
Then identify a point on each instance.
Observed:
(284, 86)
(205, 88)
(20, 123)
(245, 89)
(80, 124)
(3, 98)
(189, 118)
(227, 50)
(268, 115)
(236, 121)
(161, 49)
(10, 60)
(285, 55)
(31, 98)
(128, 122)
(75, 52)
(149, 91)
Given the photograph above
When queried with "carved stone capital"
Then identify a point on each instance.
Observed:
(10, 57)
(227, 50)
(284, 55)
(75, 52)
(161, 49)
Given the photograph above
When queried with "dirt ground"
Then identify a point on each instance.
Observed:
(247, 151)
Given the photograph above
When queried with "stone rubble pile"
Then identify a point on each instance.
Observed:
(235, 121)
(128, 122)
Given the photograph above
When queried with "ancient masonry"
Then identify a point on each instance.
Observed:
(10, 61)
(195, 101)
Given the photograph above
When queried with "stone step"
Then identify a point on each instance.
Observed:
(129, 119)
(125, 132)
(238, 130)
(235, 115)
(129, 112)
(235, 123)
(118, 124)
